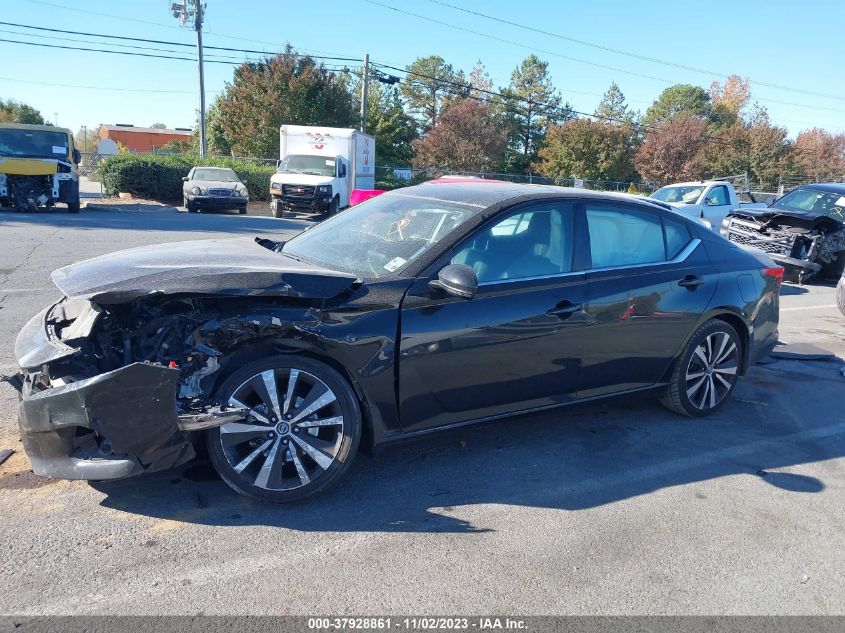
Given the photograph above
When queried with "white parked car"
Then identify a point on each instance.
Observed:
(707, 200)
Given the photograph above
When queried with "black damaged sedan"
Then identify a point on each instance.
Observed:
(422, 309)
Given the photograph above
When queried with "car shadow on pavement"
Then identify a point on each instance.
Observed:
(570, 459)
(183, 222)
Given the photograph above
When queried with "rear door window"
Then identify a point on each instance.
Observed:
(629, 237)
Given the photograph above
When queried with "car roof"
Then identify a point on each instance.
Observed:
(827, 187)
(485, 193)
(215, 168)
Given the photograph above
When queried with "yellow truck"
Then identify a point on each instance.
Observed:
(39, 167)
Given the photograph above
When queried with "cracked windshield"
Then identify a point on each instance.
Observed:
(381, 236)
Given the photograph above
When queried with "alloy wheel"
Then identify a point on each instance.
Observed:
(712, 370)
(291, 434)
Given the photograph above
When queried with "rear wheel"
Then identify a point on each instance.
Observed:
(706, 372)
(299, 436)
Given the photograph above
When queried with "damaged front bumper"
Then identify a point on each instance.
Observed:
(114, 425)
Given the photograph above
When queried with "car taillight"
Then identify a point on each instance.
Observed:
(776, 272)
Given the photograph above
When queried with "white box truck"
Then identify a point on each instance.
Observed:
(319, 167)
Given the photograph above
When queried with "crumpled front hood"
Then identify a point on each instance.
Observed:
(231, 267)
(768, 213)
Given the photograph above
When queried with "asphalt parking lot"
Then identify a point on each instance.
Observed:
(612, 508)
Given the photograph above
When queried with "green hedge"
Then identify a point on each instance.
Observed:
(160, 177)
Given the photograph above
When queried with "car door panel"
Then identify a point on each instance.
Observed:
(514, 346)
(641, 314)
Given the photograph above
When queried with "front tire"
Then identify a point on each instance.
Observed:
(73, 207)
(300, 435)
(277, 208)
(840, 295)
(706, 372)
(334, 207)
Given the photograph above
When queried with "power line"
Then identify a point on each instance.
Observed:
(554, 53)
(102, 50)
(166, 42)
(629, 53)
(129, 46)
(111, 88)
(161, 24)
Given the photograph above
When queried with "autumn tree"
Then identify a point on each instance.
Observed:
(430, 85)
(532, 103)
(595, 150)
(465, 137)
(480, 84)
(769, 150)
(672, 151)
(676, 99)
(727, 152)
(820, 154)
(729, 100)
(284, 89)
(12, 111)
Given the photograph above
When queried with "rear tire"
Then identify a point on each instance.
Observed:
(840, 295)
(706, 372)
(300, 436)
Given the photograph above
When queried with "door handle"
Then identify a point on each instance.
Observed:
(565, 309)
(690, 282)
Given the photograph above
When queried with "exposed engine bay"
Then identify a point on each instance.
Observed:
(27, 193)
(159, 358)
(806, 247)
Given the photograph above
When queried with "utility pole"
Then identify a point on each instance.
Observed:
(365, 78)
(195, 10)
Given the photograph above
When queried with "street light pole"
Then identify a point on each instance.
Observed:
(198, 16)
(195, 10)
(365, 77)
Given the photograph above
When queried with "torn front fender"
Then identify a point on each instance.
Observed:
(132, 411)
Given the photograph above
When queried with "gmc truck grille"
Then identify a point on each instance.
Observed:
(299, 191)
(772, 241)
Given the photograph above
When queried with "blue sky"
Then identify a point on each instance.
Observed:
(794, 45)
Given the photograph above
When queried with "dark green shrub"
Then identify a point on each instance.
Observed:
(160, 177)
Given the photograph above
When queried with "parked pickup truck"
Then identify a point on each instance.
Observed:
(707, 200)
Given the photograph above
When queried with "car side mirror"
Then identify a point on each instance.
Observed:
(458, 280)
(184, 179)
(77, 156)
(341, 171)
